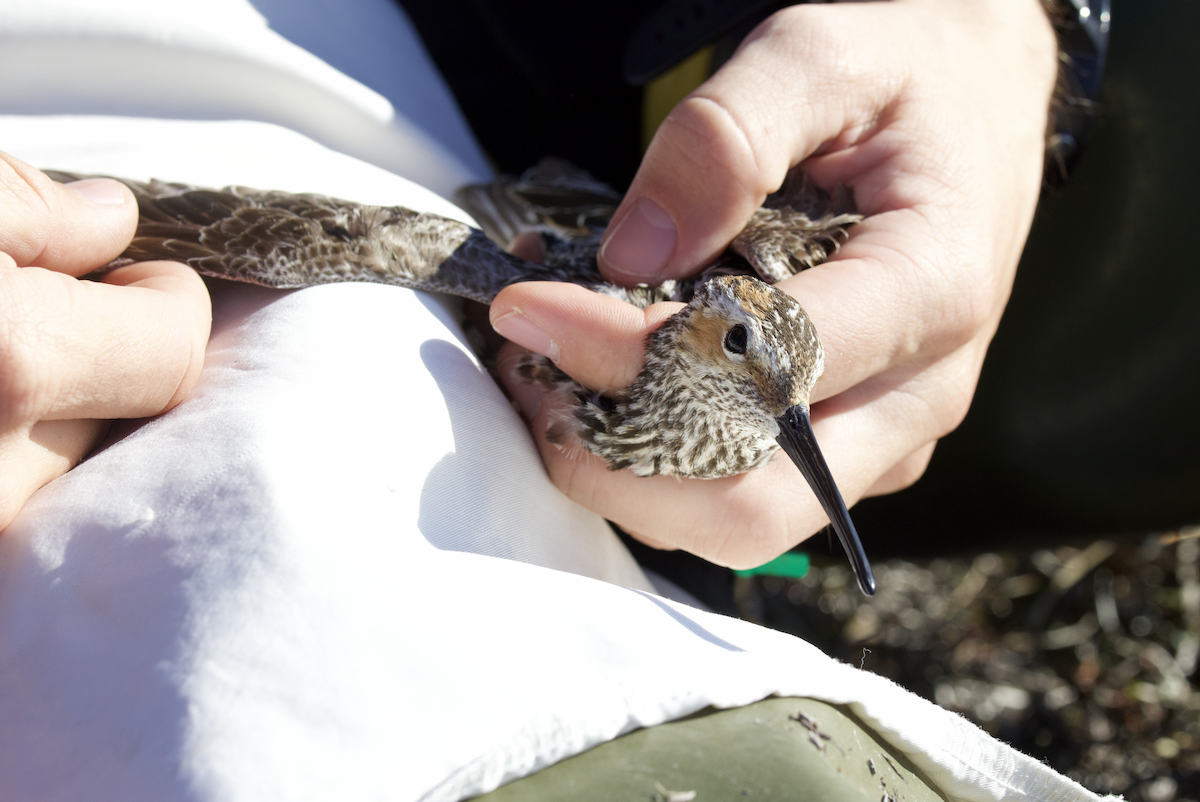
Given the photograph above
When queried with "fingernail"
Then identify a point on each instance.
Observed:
(528, 396)
(514, 326)
(642, 242)
(104, 191)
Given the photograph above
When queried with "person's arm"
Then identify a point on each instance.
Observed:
(934, 112)
(76, 353)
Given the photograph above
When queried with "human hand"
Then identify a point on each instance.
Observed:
(75, 353)
(934, 112)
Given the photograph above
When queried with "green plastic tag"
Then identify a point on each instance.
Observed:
(789, 565)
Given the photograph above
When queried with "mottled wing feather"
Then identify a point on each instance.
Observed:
(798, 227)
(779, 243)
(566, 197)
(493, 207)
(801, 194)
(552, 173)
(286, 240)
(596, 420)
(554, 197)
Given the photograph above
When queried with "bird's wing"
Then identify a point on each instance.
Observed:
(800, 194)
(779, 243)
(797, 227)
(286, 240)
(554, 197)
(492, 206)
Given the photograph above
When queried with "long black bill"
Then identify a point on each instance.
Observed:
(797, 439)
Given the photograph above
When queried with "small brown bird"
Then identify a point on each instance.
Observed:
(726, 381)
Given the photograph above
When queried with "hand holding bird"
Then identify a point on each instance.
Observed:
(935, 113)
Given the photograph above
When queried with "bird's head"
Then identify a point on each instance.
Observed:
(752, 353)
(752, 336)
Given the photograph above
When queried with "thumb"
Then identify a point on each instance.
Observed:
(731, 142)
(68, 228)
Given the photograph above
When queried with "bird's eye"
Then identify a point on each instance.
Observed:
(735, 340)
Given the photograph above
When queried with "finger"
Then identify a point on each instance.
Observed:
(72, 228)
(904, 473)
(731, 142)
(651, 542)
(900, 296)
(35, 455)
(597, 340)
(131, 346)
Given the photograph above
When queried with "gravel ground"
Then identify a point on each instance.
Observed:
(1084, 658)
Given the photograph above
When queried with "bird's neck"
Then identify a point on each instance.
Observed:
(678, 418)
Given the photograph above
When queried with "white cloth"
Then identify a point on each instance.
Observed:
(337, 570)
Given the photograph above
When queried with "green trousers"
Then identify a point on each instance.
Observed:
(776, 749)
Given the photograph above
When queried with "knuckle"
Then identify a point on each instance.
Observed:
(702, 167)
(20, 380)
(950, 400)
(569, 471)
(961, 304)
(970, 310)
(23, 372)
(955, 413)
(956, 290)
(25, 201)
(910, 469)
(833, 49)
(707, 134)
(939, 407)
(742, 540)
(935, 400)
(804, 24)
(749, 533)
